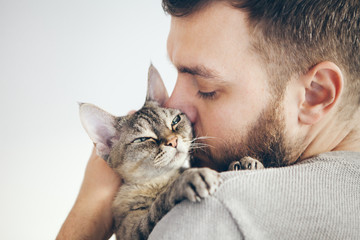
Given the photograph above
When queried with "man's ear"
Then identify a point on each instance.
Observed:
(323, 86)
(100, 126)
(156, 90)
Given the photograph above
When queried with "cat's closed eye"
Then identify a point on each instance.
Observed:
(142, 139)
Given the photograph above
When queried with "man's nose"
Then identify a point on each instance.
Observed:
(182, 98)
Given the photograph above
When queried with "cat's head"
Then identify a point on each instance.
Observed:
(146, 144)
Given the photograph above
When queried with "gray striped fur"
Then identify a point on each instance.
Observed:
(152, 170)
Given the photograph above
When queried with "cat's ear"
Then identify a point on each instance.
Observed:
(100, 126)
(156, 89)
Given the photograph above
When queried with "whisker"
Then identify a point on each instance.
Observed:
(200, 146)
(198, 143)
(199, 149)
(194, 145)
(202, 138)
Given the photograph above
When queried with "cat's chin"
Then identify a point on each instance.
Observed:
(179, 159)
(175, 161)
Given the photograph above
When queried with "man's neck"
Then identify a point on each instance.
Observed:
(350, 143)
(333, 136)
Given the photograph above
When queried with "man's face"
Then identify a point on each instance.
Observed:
(222, 86)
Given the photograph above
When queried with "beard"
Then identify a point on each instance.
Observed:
(265, 141)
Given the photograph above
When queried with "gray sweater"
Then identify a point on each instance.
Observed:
(316, 199)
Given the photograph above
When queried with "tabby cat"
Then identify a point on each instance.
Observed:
(149, 150)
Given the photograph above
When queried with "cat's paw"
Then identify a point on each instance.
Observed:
(246, 163)
(198, 183)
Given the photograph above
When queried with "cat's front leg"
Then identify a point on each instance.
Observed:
(195, 184)
(246, 163)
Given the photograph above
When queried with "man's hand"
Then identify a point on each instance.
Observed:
(91, 217)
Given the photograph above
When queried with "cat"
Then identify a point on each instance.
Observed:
(246, 163)
(148, 149)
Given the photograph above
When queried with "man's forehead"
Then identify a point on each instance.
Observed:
(208, 42)
(207, 30)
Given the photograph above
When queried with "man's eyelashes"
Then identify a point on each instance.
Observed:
(206, 95)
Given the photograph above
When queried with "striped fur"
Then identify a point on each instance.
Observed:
(153, 173)
(142, 150)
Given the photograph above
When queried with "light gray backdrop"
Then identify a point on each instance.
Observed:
(54, 53)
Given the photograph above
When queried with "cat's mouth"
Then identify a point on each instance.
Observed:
(170, 156)
(173, 156)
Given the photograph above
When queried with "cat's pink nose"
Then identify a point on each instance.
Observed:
(172, 142)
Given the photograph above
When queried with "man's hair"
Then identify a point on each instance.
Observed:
(291, 36)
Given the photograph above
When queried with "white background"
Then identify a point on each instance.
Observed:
(54, 53)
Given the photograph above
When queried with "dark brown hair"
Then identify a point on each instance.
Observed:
(291, 36)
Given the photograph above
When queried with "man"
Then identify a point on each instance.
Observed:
(274, 80)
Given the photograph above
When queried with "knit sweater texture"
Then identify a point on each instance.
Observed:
(318, 198)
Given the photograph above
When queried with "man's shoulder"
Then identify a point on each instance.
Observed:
(317, 198)
(313, 181)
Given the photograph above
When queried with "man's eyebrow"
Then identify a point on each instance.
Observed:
(199, 70)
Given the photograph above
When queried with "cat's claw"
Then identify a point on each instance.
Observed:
(246, 163)
(199, 183)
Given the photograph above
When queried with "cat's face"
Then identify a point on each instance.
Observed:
(152, 141)
(146, 144)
